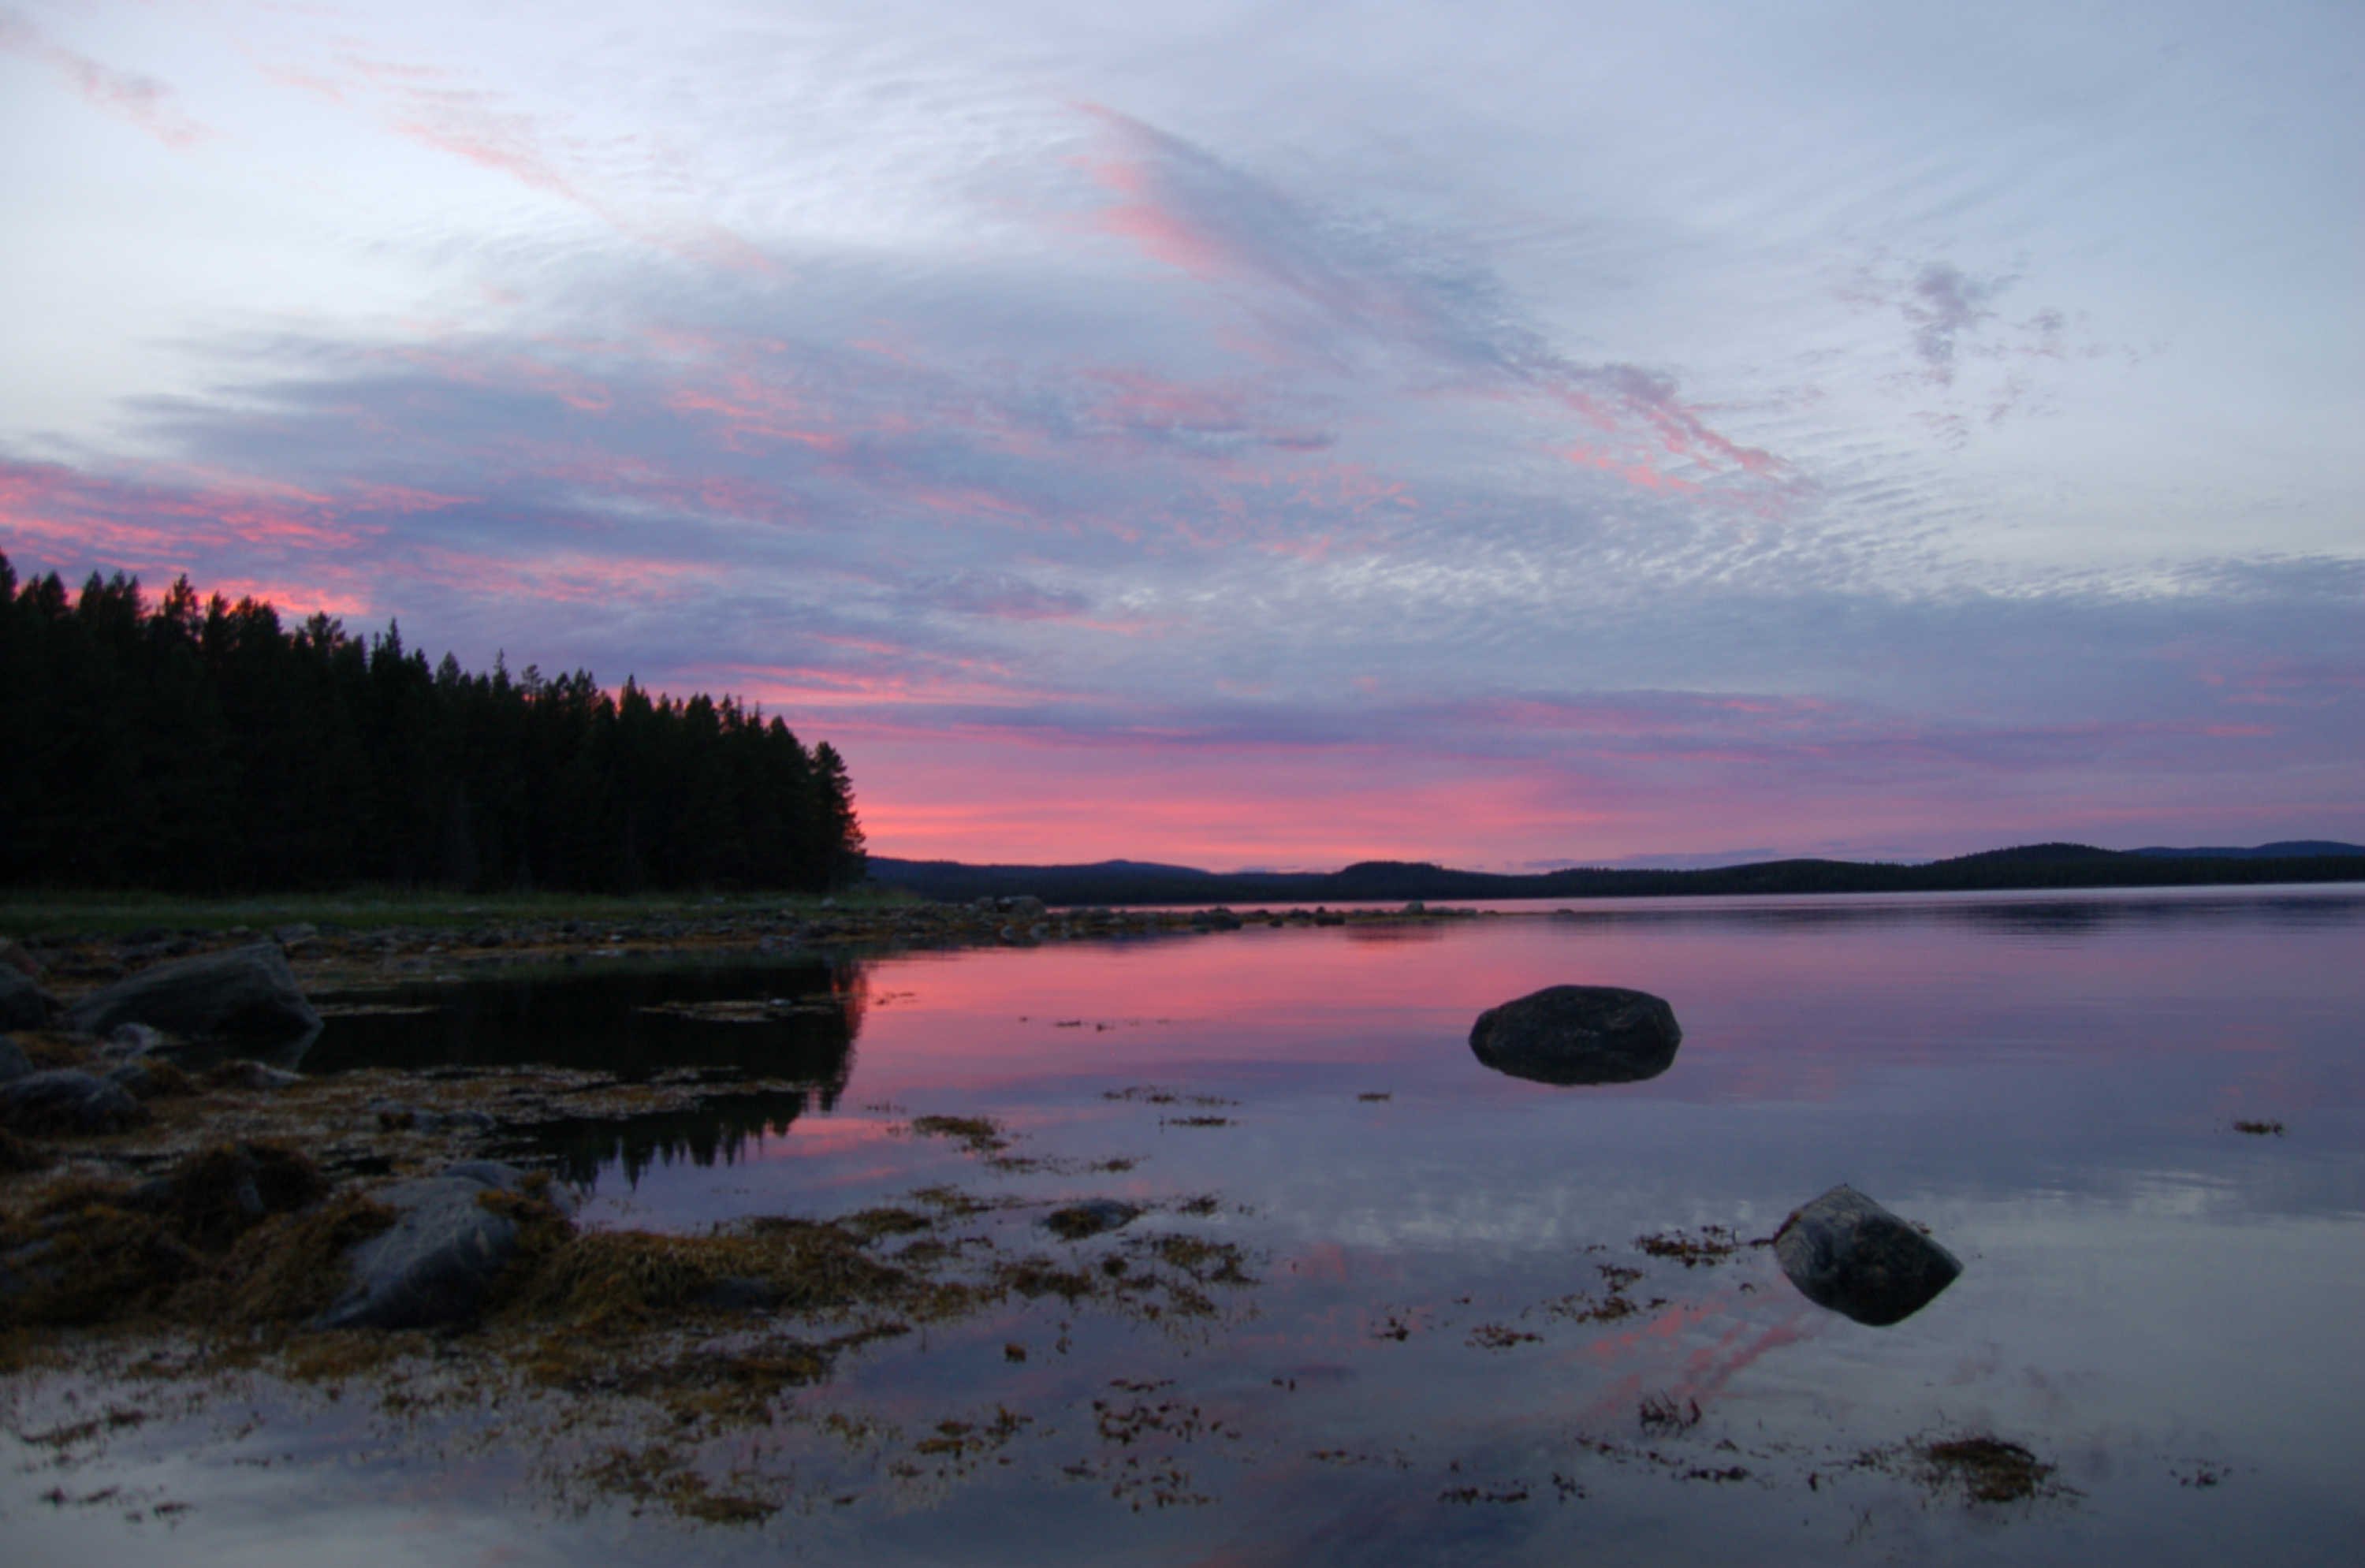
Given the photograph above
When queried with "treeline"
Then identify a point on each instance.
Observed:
(2027, 866)
(202, 746)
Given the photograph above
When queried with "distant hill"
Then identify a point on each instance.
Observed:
(2289, 848)
(2019, 865)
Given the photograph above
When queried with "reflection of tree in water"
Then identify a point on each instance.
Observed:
(714, 1132)
(630, 1021)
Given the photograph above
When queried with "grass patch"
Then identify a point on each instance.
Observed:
(1987, 1469)
(978, 1135)
(1714, 1244)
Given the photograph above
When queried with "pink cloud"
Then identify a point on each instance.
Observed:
(141, 100)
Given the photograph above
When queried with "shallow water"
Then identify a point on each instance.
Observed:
(2160, 1307)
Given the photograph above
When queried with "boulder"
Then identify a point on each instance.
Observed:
(246, 992)
(1845, 1252)
(23, 1003)
(67, 1100)
(435, 1264)
(14, 956)
(1090, 1217)
(14, 1063)
(1579, 1034)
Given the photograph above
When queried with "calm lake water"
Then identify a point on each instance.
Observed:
(2164, 1308)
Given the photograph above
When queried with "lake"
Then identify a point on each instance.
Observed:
(1477, 1318)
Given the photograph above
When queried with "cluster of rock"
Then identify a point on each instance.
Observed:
(432, 1265)
(1843, 1251)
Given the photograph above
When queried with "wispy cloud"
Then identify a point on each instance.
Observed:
(141, 101)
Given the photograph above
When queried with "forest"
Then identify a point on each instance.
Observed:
(199, 746)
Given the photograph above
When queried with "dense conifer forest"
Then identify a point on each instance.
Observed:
(196, 745)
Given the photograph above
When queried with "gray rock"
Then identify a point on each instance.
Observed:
(247, 992)
(67, 1100)
(1579, 1034)
(23, 1003)
(1090, 1217)
(1845, 1252)
(14, 1063)
(14, 955)
(436, 1263)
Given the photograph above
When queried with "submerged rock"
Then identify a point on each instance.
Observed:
(67, 1100)
(14, 1063)
(436, 1263)
(1579, 1034)
(1845, 1252)
(247, 992)
(1090, 1217)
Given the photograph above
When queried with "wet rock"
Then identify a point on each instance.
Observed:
(441, 1256)
(67, 1100)
(1845, 1252)
(14, 1063)
(1579, 1034)
(1090, 1217)
(247, 992)
(14, 954)
(23, 1003)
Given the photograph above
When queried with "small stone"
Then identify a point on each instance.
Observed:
(1090, 1217)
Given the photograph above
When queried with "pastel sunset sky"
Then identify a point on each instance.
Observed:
(1261, 435)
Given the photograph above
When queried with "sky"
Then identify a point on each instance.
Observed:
(1512, 435)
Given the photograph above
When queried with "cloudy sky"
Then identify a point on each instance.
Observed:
(1508, 434)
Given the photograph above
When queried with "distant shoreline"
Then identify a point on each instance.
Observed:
(2027, 868)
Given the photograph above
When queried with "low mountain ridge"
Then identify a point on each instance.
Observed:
(2027, 866)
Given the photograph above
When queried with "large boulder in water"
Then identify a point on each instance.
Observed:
(246, 993)
(1579, 1034)
(441, 1256)
(1845, 1252)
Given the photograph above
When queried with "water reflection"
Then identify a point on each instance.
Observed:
(1473, 1290)
(721, 1021)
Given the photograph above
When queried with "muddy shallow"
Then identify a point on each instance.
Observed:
(1381, 1303)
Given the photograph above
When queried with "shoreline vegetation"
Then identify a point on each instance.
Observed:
(198, 746)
